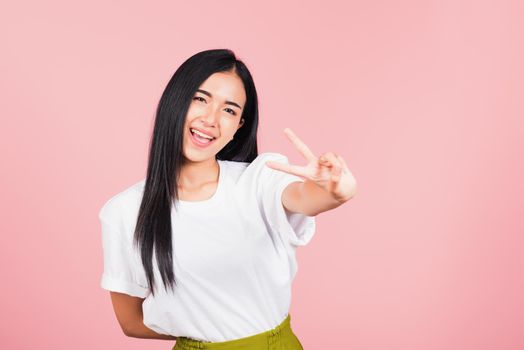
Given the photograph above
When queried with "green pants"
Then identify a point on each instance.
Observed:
(279, 338)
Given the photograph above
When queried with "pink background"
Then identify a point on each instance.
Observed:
(423, 99)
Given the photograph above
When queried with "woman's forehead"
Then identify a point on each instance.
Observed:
(226, 86)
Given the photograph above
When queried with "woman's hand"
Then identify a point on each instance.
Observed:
(329, 171)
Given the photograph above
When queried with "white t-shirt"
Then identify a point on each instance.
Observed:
(233, 255)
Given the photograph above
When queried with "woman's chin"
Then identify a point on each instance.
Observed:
(198, 155)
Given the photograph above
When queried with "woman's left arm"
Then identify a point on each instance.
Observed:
(328, 182)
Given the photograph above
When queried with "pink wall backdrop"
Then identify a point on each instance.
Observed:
(424, 100)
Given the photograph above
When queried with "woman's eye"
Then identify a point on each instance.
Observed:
(232, 111)
(229, 110)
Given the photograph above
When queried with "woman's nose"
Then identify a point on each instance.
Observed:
(211, 116)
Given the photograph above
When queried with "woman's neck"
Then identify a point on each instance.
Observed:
(196, 174)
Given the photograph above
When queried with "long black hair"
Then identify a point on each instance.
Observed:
(153, 234)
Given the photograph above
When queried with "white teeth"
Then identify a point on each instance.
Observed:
(201, 134)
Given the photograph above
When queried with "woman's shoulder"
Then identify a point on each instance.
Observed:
(258, 162)
(255, 168)
(124, 203)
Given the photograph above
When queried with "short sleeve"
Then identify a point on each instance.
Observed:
(119, 274)
(297, 228)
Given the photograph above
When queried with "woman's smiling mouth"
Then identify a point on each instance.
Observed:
(200, 139)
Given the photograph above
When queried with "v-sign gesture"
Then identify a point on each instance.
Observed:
(329, 171)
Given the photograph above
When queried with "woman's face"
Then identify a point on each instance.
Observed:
(215, 110)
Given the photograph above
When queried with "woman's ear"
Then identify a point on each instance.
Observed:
(241, 123)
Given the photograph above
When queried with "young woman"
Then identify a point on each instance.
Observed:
(202, 250)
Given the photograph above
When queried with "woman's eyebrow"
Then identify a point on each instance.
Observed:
(209, 94)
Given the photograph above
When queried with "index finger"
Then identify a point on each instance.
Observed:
(288, 168)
